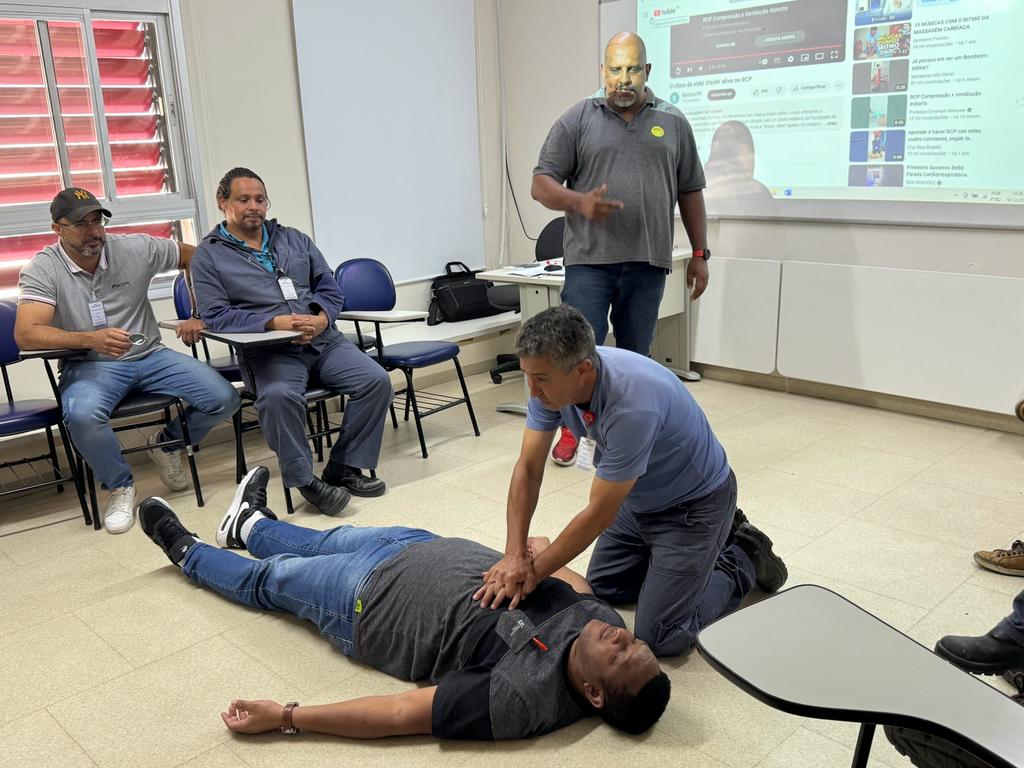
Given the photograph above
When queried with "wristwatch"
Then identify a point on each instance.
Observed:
(703, 253)
(286, 718)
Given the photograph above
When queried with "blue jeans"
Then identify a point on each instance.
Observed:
(674, 563)
(315, 575)
(1012, 627)
(632, 289)
(90, 390)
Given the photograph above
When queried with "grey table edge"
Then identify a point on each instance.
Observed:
(868, 718)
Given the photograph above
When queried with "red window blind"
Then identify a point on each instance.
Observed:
(29, 161)
(19, 249)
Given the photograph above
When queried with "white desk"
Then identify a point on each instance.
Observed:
(244, 340)
(671, 345)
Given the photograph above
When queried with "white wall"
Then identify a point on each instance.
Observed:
(246, 104)
(245, 100)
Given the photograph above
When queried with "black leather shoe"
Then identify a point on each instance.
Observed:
(771, 572)
(353, 480)
(328, 498)
(985, 655)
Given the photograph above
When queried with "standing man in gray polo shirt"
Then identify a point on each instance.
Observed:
(617, 163)
(89, 291)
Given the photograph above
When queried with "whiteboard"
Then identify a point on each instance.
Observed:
(389, 111)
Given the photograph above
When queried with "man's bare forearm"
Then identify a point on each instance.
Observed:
(370, 717)
(695, 219)
(574, 538)
(48, 337)
(549, 193)
(523, 492)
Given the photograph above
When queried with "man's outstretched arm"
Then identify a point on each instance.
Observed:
(369, 717)
(577, 581)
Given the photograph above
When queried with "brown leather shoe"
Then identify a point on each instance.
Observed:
(1019, 410)
(1009, 561)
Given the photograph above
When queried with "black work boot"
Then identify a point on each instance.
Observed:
(985, 655)
(353, 480)
(738, 519)
(771, 572)
(328, 498)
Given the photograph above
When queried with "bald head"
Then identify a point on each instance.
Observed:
(630, 40)
(625, 71)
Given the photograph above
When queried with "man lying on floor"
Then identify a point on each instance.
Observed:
(399, 600)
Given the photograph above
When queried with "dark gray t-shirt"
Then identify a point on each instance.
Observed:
(416, 621)
(121, 283)
(646, 164)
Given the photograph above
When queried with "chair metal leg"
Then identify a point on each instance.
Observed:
(394, 416)
(76, 474)
(465, 394)
(327, 422)
(240, 469)
(53, 458)
(189, 453)
(317, 441)
(288, 499)
(410, 397)
(91, 484)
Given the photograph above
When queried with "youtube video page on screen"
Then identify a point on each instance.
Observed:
(887, 100)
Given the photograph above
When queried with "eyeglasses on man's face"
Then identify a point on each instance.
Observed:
(99, 222)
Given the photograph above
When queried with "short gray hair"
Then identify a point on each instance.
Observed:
(561, 335)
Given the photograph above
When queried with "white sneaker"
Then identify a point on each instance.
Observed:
(168, 465)
(120, 514)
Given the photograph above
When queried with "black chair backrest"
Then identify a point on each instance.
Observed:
(549, 241)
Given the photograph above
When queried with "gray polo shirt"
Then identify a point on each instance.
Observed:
(646, 163)
(121, 283)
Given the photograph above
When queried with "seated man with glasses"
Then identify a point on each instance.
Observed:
(89, 291)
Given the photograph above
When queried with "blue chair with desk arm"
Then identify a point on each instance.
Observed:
(368, 287)
(18, 417)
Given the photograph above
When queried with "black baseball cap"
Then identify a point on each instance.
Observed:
(74, 203)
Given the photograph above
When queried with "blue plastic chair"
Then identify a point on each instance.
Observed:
(367, 286)
(21, 416)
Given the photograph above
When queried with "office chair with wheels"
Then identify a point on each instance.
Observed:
(506, 297)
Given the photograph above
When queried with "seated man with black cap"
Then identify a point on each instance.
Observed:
(89, 291)
(398, 599)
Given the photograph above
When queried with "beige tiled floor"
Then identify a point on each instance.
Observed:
(108, 657)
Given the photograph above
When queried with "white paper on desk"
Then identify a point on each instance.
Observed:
(539, 269)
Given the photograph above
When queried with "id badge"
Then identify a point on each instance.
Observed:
(585, 453)
(98, 315)
(288, 288)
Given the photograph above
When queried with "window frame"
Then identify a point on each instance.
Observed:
(188, 201)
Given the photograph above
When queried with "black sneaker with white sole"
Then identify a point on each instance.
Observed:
(250, 498)
(165, 529)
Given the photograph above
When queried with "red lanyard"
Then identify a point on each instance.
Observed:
(588, 419)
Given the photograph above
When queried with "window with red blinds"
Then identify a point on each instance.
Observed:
(45, 144)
